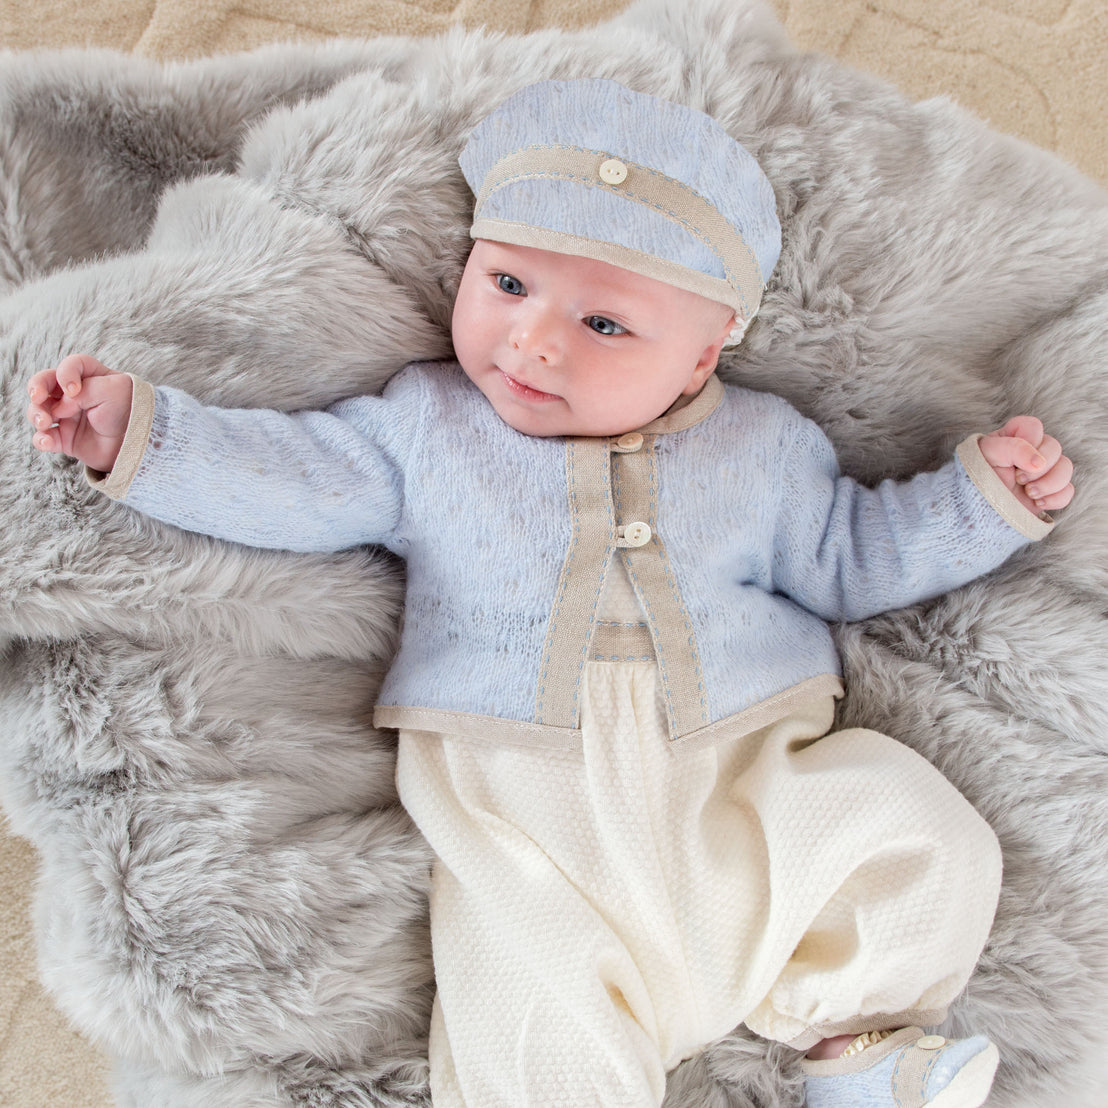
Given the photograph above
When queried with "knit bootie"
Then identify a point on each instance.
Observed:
(908, 1069)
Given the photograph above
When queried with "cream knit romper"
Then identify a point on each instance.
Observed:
(600, 914)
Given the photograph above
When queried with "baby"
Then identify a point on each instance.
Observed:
(615, 683)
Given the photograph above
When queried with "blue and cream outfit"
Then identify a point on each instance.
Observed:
(738, 535)
(615, 680)
(613, 670)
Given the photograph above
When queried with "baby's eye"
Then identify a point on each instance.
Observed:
(509, 284)
(602, 325)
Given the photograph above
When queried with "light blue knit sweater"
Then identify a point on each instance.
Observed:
(759, 537)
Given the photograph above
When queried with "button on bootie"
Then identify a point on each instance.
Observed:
(907, 1069)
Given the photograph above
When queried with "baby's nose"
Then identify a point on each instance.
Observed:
(537, 336)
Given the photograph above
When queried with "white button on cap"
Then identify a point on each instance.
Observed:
(613, 172)
(637, 534)
(630, 442)
(931, 1042)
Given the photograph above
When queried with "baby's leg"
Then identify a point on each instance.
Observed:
(537, 1003)
(540, 1004)
(910, 873)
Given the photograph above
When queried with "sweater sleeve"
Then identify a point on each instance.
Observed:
(847, 552)
(300, 481)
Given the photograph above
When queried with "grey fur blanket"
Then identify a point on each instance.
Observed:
(232, 903)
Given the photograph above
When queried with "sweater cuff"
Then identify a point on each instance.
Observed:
(997, 493)
(133, 447)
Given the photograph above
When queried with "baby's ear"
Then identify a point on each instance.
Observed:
(719, 330)
(704, 367)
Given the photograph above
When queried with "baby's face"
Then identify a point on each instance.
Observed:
(562, 345)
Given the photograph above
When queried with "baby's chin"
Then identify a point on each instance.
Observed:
(552, 417)
(542, 426)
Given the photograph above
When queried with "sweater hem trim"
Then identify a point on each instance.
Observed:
(470, 725)
(544, 736)
(762, 714)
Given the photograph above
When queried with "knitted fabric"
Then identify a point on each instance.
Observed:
(598, 916)
(959, 1070)
(749, 504)
(604, 118)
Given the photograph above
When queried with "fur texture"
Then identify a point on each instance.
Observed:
(232, 903)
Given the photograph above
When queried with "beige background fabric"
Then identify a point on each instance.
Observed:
(1034, 68)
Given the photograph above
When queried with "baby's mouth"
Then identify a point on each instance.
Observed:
(525, 392)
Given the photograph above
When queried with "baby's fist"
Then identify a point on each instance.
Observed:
(80, 408)
(1030, 463)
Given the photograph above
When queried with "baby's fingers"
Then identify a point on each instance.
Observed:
(48, 408)
(1024, 427)
(43, 385)
(65, 379)
(1054, 488)
(49, 440)
(74, 368)
(39, 418)
(1056, 500)
(1005, 451)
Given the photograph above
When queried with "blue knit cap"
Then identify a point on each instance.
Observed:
(593, 169)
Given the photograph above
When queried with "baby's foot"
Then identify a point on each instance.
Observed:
(907, 1069)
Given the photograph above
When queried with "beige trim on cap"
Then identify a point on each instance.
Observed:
(667, 196)
(133, 447)
(558, 242)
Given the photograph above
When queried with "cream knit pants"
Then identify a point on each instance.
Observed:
(599, 915)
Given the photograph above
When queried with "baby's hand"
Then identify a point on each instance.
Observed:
(1030, 463)
(80, 408)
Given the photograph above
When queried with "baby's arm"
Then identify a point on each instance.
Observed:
(845, 551)
(1030, 463)
(80, 408)
(302, 481)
